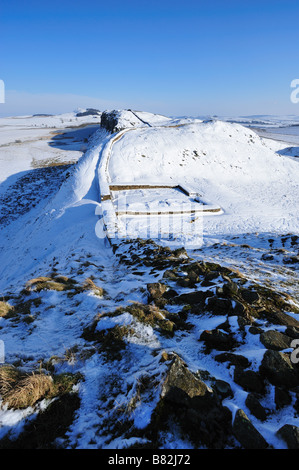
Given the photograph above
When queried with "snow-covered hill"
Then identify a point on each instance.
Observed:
(137, 344)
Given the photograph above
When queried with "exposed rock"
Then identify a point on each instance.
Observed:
(282, 398)
(244, 431)
(156, 290)
(280, 318)
(278, 369)
(275, 340)
(233, 359)
(292, 332)
(255, 407)
(255, 330)
(197, 297)
(290, 434)
(109, 120)
(223, 389)
(219, 306)
(216, 339)
(170, 274)
(249, 380)
(230, 289)
(180, 379)
(199, 412)
(249, 296)
(211, 275)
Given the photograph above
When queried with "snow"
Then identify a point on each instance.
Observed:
(230, 166)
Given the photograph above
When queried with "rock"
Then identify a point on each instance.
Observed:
(281, 318)
(197, 297)
(275, 340)
(230, 289)
(290, 434)
(211, 275)
(199, 268)
(216, 339)
(249, 380)
(277, 368)
(239, 308)
(282, 398)
(219, 306)
(185, 282)
(170, 293)
(180, 253)
(223, 389)
(194, 406)
(233, 359)
(246, 433)
(255, 407)
(292, 332)
(169, 274)
(249, 296)
(193, 277)
(109, 120)
(255, 330)
(156, 290)
(179, 379)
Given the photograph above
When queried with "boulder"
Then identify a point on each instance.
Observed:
(217, 339)
(179, 379)
(249, 380)
(250, 296)
(275, 340)
(186, 399)
(278, 369)
(282, 398)
(244, 431)
(219, 306)
(290, 434)
(233, 359)
(191, 298)
(253, 404)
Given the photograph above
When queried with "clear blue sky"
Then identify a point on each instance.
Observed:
(175, 57)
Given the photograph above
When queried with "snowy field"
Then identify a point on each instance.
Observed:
(106, 323)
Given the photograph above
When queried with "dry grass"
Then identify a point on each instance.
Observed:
(90, 285)
(57, 283)
(9, 376)
(151, 315)
(5, 309)
(19, 390)
(29, 390)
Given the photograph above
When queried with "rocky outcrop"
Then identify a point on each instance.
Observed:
(290, 434)
(109, 120)
(244, 431)
(275, 340)
(198, 410)
(277, 368)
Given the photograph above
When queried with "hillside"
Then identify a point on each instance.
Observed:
(137, 341)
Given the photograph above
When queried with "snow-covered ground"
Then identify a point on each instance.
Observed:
(230, 166)
(52, 226)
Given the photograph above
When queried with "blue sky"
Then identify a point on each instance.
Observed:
(173, 57)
